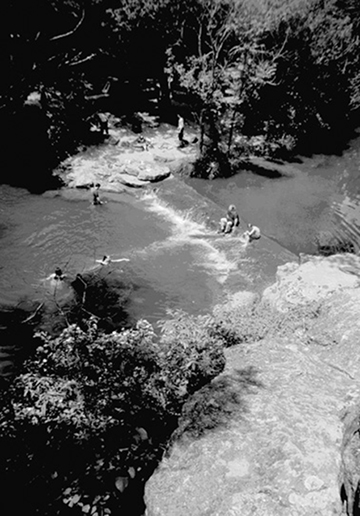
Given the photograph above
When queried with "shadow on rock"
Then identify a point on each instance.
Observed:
(213, 406)
(350, 462)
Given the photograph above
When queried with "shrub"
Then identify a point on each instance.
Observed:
(89, 417)
(192, 353)
(243, 323)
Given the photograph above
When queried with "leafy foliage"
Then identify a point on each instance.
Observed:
(285, 72)
(111, 401)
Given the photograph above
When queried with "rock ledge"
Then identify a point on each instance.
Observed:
(266, 437)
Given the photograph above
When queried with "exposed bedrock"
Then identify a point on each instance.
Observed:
(278, 432)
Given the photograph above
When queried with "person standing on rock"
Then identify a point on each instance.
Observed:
(181, 128)
(95, 193)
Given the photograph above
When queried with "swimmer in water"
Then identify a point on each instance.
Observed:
(56, 281)
(57, 275)
(106, 260)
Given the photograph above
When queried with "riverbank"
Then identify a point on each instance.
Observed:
(276, 433)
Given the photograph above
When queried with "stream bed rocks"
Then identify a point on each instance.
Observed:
(126, 160)
(277, 432)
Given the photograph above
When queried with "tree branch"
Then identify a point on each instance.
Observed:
(75, 63)
(60, 36)
(32, 315)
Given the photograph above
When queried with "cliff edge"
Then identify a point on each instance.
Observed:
(277, 433)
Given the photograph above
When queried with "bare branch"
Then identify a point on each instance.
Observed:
(32, 315)
(200, 40)
(280, 52)
(75, 63)
(60, 36)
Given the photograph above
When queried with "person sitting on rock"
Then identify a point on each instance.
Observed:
(142, 141)
(228, 223)
(252, 233)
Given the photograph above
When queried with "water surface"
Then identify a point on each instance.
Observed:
(318, 202)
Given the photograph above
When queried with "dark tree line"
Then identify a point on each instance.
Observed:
(265, 77)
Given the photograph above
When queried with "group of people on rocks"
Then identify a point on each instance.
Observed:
(95, 187)
(227, 224)
(232, 220)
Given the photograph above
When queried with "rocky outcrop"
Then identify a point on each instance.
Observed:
(277, 433)
(314, 280)
(125, 160)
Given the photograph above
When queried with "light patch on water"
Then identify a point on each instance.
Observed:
(183, 224)
(208, 244)
(215, 261)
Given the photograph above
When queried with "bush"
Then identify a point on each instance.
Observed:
(241, 323)
(192, 352)
(85, 423)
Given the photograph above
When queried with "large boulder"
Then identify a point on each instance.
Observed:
(154, 173)
(313, 280)
(266, 437)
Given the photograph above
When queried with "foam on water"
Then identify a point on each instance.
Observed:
(211, 250)
(183, 224)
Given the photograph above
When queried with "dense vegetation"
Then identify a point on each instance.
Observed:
(88, 417)
(263, 76)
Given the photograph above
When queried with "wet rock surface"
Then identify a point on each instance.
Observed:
(277, 432)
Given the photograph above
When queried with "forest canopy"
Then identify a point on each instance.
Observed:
(263, 76)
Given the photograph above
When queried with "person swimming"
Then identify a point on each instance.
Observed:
(232, 219)
(57, 275)
(56, 281)
(106, 260)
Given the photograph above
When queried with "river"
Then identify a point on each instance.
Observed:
(176, 259)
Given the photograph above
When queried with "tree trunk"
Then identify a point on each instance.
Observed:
(231, 132)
